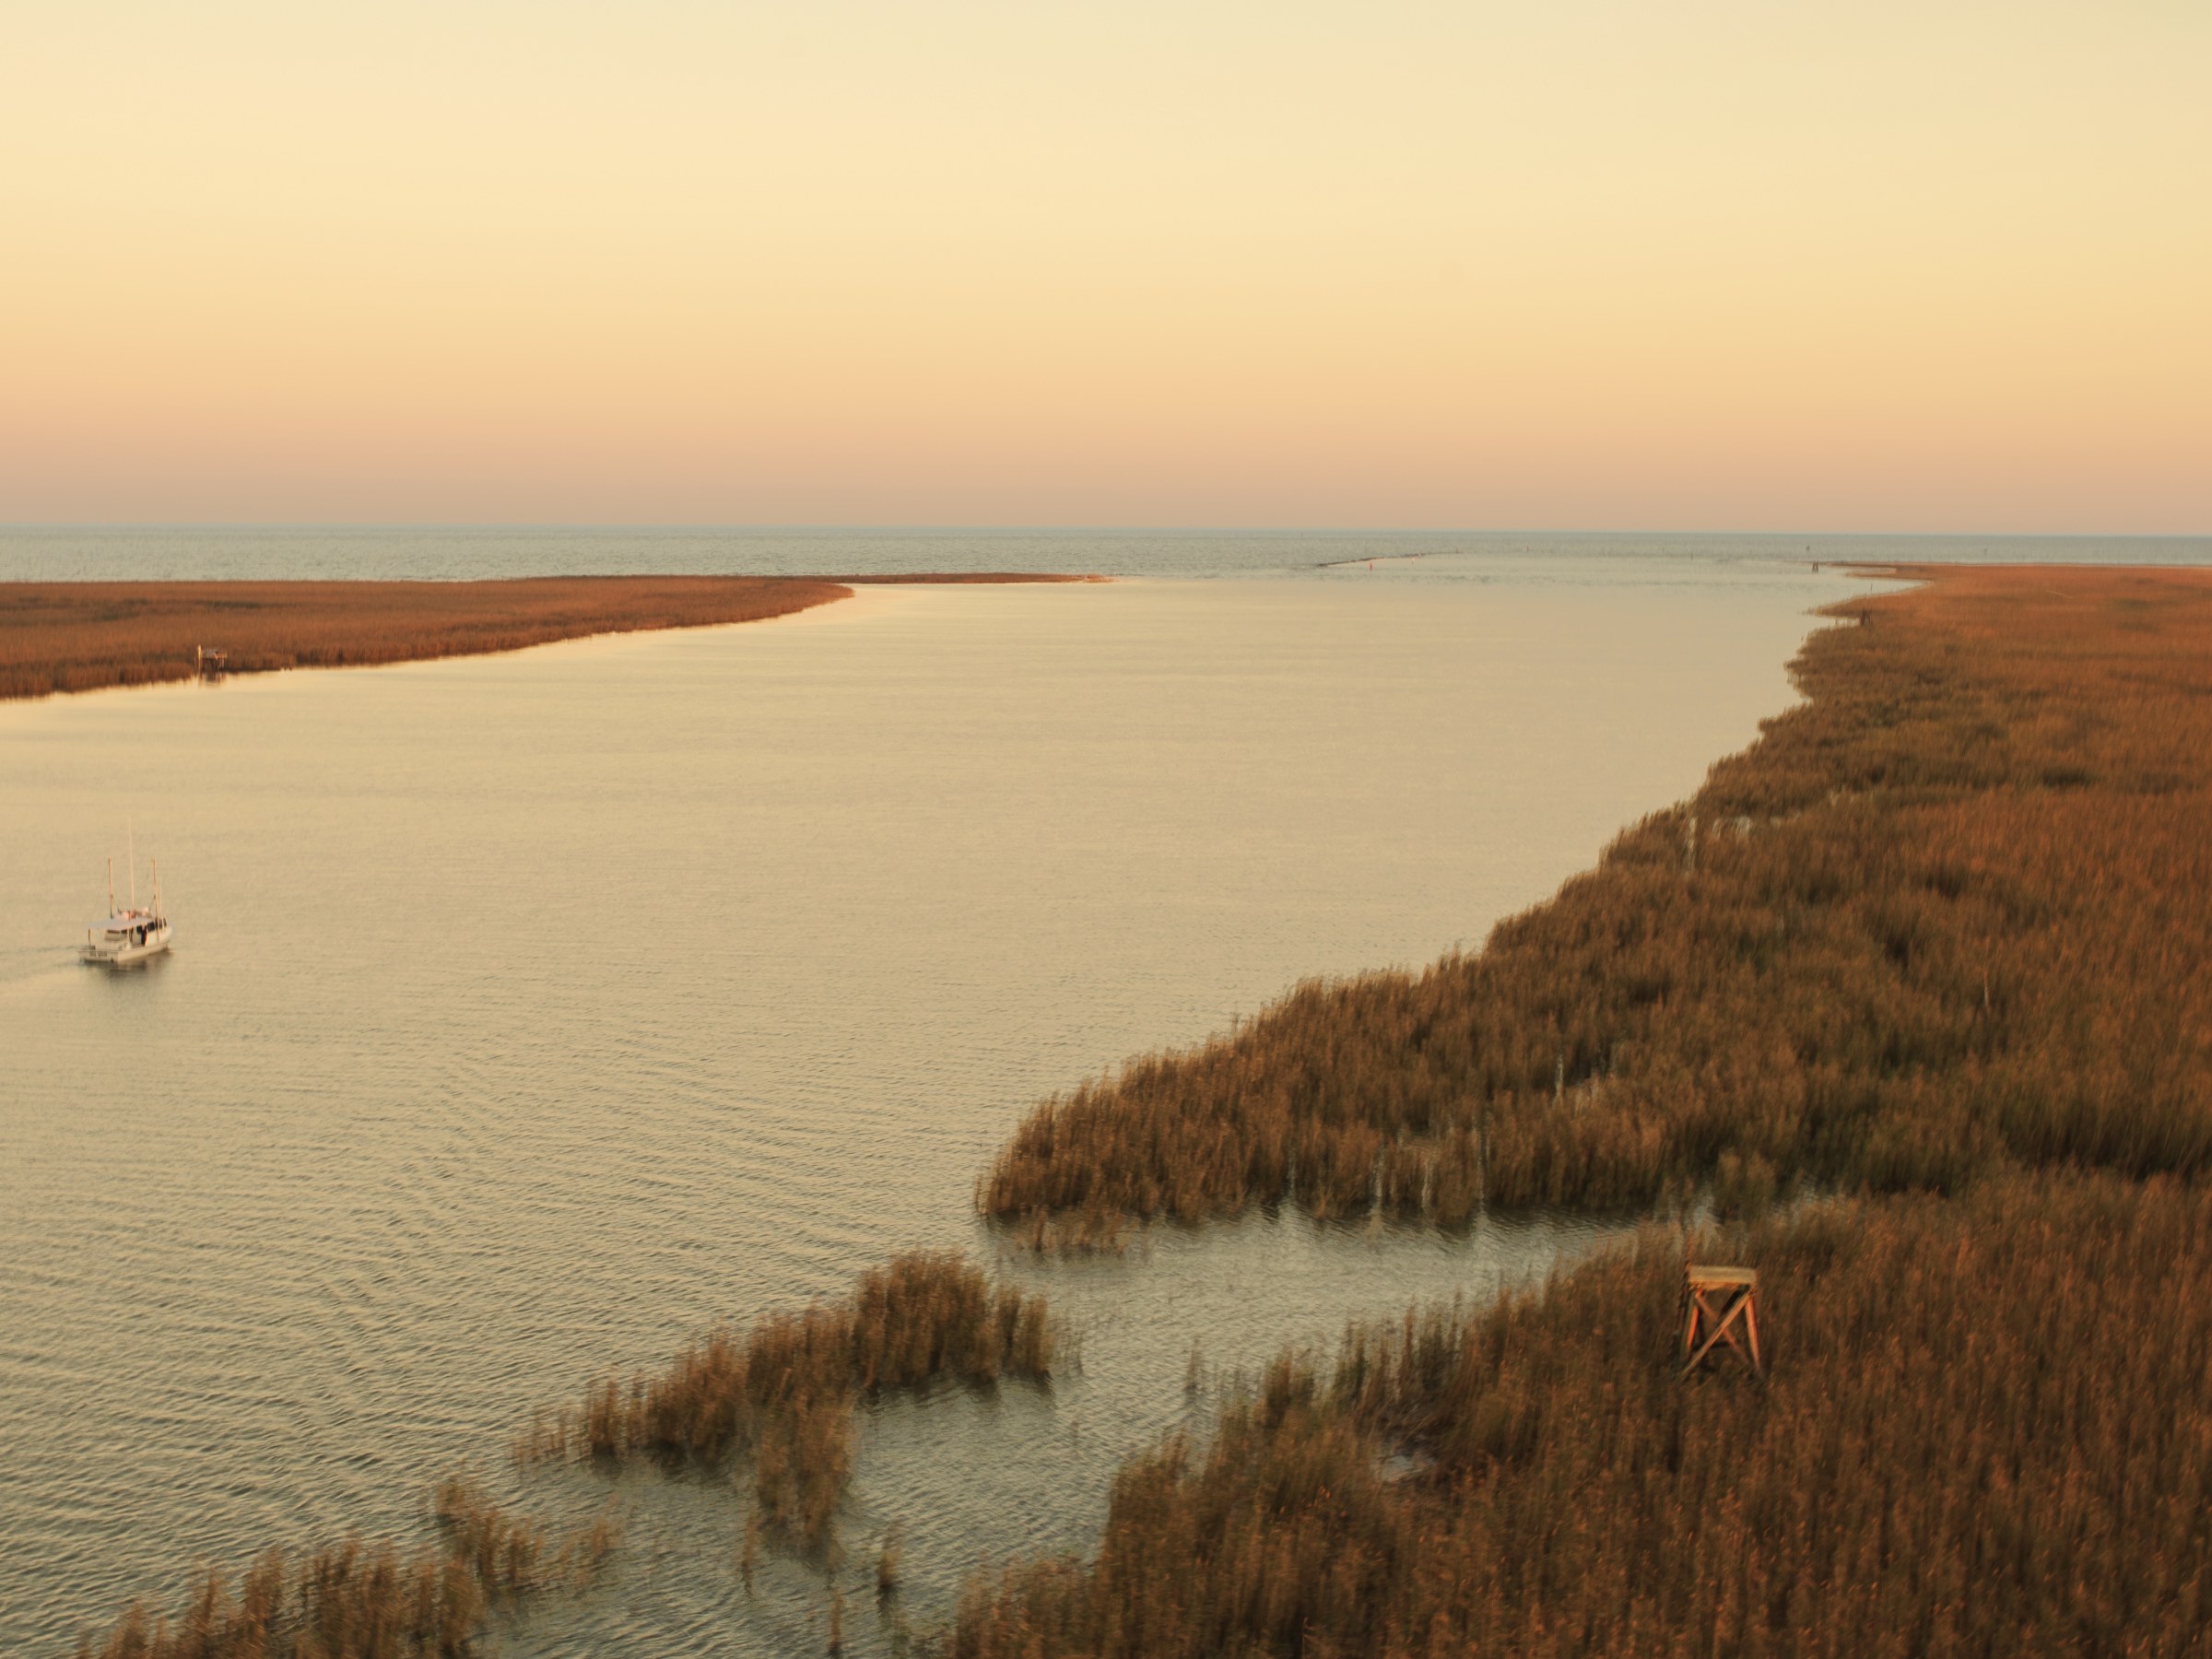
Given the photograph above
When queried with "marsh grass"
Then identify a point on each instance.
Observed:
(780, 1396)
(1983, 1432)
(1938, 942)
(1951, 916)
(363, 1599)
(80, 636)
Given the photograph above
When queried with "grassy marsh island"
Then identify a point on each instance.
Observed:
(83, 636)
(781, 1393)
(1937, 947)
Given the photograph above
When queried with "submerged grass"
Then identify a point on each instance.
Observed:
(362, 1599)
(779, 1394)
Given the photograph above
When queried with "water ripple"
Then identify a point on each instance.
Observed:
(529, 1014)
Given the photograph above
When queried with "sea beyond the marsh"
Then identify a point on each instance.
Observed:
(532, 1013)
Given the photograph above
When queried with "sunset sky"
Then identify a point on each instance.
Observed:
(1561, 264)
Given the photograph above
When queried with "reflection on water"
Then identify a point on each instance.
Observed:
(527, 1014)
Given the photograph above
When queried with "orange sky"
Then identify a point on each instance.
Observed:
(1572, 265)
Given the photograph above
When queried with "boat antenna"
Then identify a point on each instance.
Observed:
(111, 884)
(131, 845)
(156, 886)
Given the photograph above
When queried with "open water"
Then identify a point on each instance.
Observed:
(529, 1014)
(158, 552)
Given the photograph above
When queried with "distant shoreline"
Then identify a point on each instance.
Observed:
(63, 637)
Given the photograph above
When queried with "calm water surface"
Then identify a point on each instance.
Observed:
(528, 1013)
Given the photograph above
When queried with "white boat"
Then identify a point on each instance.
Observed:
(130, 935)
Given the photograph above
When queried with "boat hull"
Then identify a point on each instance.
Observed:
(126, 955)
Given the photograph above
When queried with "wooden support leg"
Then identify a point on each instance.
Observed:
(1720, 1331)
(1704, 1319)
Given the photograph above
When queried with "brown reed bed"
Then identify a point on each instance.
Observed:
(78, 636)
(780, 1396)
(81, 636)
(1949, 916)
(1983, 1432)
(1939, 940)
(359, 1599)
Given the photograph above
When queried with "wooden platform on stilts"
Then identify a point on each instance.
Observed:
(1720, 1306)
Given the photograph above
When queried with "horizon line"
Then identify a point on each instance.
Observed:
(892, 528)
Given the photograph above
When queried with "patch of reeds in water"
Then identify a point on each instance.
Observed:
(779, 1394)
(361, 1599)
(1095, 1229)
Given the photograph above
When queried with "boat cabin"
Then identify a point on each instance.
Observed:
(126, 936)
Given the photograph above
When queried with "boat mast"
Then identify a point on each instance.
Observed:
(131, 845)
(111, 884)
(156, 886)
